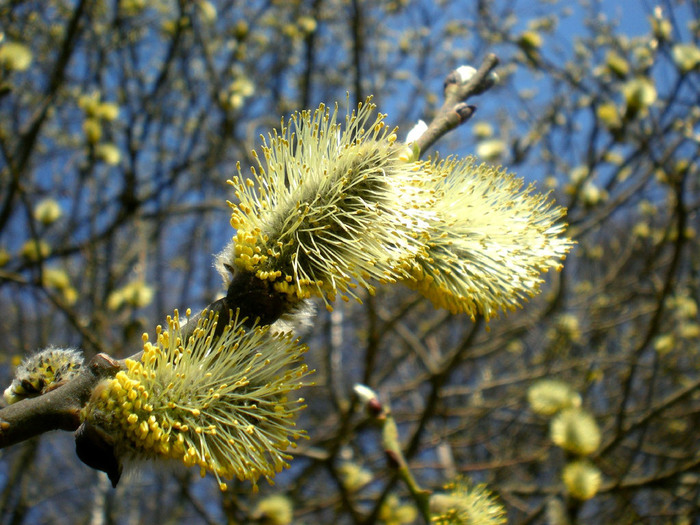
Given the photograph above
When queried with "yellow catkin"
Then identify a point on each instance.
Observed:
(197, 411)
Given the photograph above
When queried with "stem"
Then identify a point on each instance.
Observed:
(392, 448)
(454, 111)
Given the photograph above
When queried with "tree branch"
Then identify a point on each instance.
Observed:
(55, 410)
(454, 110)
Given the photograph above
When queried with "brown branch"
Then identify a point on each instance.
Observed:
(437, 381)
(454, 111)
(58, 409)
(656, 320)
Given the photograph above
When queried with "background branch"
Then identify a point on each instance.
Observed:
(454, 111)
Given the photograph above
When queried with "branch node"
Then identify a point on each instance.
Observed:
(460, 84)
(102, 364)
(395, 461)
(464, 112)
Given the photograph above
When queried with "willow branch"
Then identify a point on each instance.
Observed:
(454, 110)
(58, 409)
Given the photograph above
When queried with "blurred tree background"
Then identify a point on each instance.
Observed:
(120, 122)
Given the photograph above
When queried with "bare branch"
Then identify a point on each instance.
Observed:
(454, 111)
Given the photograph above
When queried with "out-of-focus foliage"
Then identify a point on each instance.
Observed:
(121, 121)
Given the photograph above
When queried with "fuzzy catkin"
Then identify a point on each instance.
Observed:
(489, 241)
(43, 371)
(330, 209)
(220, 402)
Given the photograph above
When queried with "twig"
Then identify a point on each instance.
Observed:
(455, 111)
(393, 451)
(381, 415)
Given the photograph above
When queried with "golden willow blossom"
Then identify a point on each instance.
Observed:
(582, 479)
(333, 208)
(576, 430)
(214, 401)
(549, 396)
(489, 241)
(466, 504)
